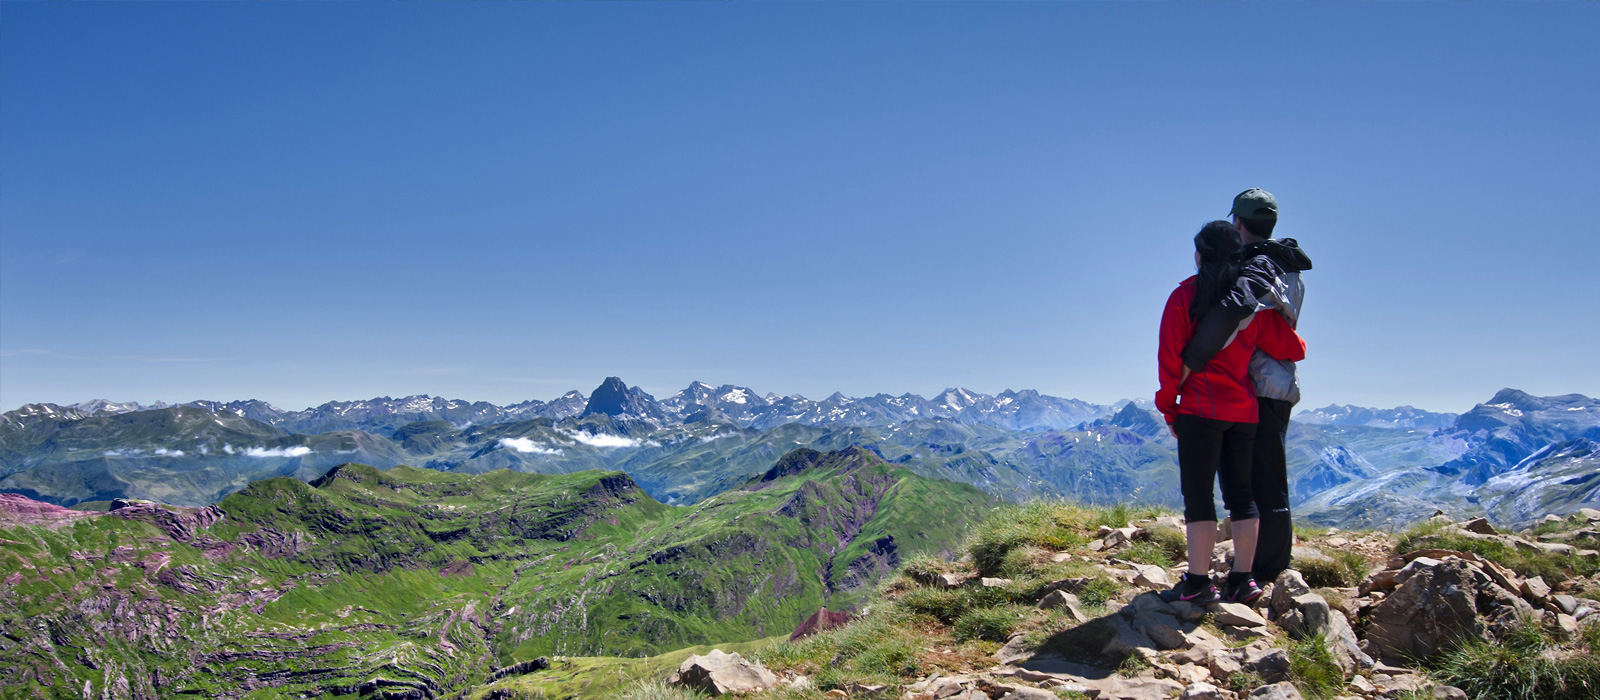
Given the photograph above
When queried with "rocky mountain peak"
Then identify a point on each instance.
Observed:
(1523, 401)
(806, 459)
(1138, 420)
(94, 406)
(610, 398)
(957, 399)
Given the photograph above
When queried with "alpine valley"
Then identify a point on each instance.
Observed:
(426, 582)
(423, 547)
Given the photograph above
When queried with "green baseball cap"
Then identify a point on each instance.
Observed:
(1255, 204)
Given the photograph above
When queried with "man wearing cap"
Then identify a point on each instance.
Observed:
(1270, 279)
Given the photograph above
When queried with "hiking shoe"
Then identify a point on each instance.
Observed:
(1246, 591)
(1201, 593)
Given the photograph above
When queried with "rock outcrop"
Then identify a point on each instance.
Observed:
(821, 620)
(17, 509)
(182, 524)
(717, 673)
(1435, 602)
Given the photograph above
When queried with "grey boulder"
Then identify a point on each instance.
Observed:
(717, 673)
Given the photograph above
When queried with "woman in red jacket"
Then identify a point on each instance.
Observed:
(1213, 415)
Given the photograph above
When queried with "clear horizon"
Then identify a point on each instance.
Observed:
(303, 202)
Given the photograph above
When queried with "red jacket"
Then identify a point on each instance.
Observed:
(1222, 390)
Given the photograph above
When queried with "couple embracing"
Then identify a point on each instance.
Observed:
(1227, 354)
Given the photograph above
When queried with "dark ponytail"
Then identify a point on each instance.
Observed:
(1217, 243)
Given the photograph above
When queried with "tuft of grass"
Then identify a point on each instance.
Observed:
(949, 604)
(1242, 682)
(1345, 570)
(925, 569)
(894, 658)
(1314, 670)
(1133, 665)
(1146, 552)
(1023, 561)
(1171, 540)
(657, 690)
(990, 624)
(876, 649)
(942, 604)
(1045, 525)
(1117, 516)
(1523, 665)
(1098, 591)
(1307, 533)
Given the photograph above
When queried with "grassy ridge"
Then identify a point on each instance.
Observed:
(434, 579)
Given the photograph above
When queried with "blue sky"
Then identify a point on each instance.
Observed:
(304, 202)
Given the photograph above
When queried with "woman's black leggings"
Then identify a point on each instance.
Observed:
(1215, 450)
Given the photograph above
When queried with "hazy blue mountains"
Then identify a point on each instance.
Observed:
(1401, 417)
(1514, 457)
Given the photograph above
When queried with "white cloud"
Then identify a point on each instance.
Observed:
(296, 451)
(526, 445)
(164, 452)
(603, 440)
(122, 453)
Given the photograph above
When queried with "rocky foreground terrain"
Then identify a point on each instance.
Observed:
(1060, 602)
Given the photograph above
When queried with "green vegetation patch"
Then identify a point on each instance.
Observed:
(1049, 525)
(1524, 665)
(1342, 569)
(594, 678)
(990, 624)
(874, 649)
(1170, 540)
(1314, 670)
(444, 577)
(1145, 552)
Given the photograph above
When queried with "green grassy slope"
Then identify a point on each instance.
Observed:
(413, 578)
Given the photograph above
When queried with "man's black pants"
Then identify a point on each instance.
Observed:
(1269, 484)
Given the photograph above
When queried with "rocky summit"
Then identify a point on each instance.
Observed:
(1060, 601)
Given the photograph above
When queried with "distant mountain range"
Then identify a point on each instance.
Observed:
(1402, 417)
(1013, 410)
(1515, 457)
